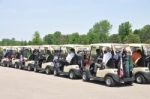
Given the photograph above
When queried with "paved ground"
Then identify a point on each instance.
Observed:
(20, 84)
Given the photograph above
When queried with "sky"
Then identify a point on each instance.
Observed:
(21, 18)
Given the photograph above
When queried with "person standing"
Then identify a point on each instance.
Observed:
(107, 57)
(127, 62)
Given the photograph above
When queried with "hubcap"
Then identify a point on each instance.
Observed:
(16, 66)
(29, 68)
(84, 77)
(139, 79)
(55, 72)
(71, 75)
(108, 81)
(20, 67)
(35, 69)
(47, 71)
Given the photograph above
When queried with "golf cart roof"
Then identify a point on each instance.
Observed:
(70, 45)
(138, 44)
(103, 44)
(54, 47)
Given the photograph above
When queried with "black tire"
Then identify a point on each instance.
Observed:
(72, 75)
(29, 68)
(8, 65)
(20, 67)
(47, 70)
(56, 72)
(139, 78)
(85, 76)
(16, 65)
(109, 81)
(5, 64)
(2, 64)
(35, 69)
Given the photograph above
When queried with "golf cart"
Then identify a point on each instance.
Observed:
(111, 73)
(45, 62)
(16, 57)
(71, 69)
(141, 72)
(28, 63)
(6, 60)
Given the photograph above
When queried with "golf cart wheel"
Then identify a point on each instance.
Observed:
(56, 72)
(140, 79)
(5, 65)
(71, 75)
(2, 64)
(85, 76)
(8, 65)
(16, 65)
(35, 69)
(47, 70)
(20, 66)
(29, 68)
(109, 81)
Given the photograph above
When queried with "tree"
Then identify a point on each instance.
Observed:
(144, 33)
(57, 37)
(74, 38)
(114, 38)
(36, 38)
(83, 39)
(100, 30)
(132, 38)
(48, 39)
(92, 37)
(124, 30)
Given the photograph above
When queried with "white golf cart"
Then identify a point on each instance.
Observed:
(72, 70)
(110, 75)
(46, 65)
(142, 73)
(29, 63)
(6, 60)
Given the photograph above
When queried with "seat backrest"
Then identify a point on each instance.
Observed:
(74, 60)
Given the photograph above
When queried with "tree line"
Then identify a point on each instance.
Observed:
(99, 33)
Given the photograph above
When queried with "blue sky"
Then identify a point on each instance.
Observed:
(21, 18)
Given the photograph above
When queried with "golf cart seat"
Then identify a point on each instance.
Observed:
(31, 57)
(74, 60)
(49, 58)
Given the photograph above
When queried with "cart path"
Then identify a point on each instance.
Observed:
(21, 84)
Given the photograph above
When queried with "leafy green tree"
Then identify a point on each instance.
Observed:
(101, 30)
(132, 38)
(65, 39)
(92, 37)
(114, 38)
(144, 33)
(83, 39)
(48, 39)
(124, 30)
(36, 38)
(74, 38)
(57, 37)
